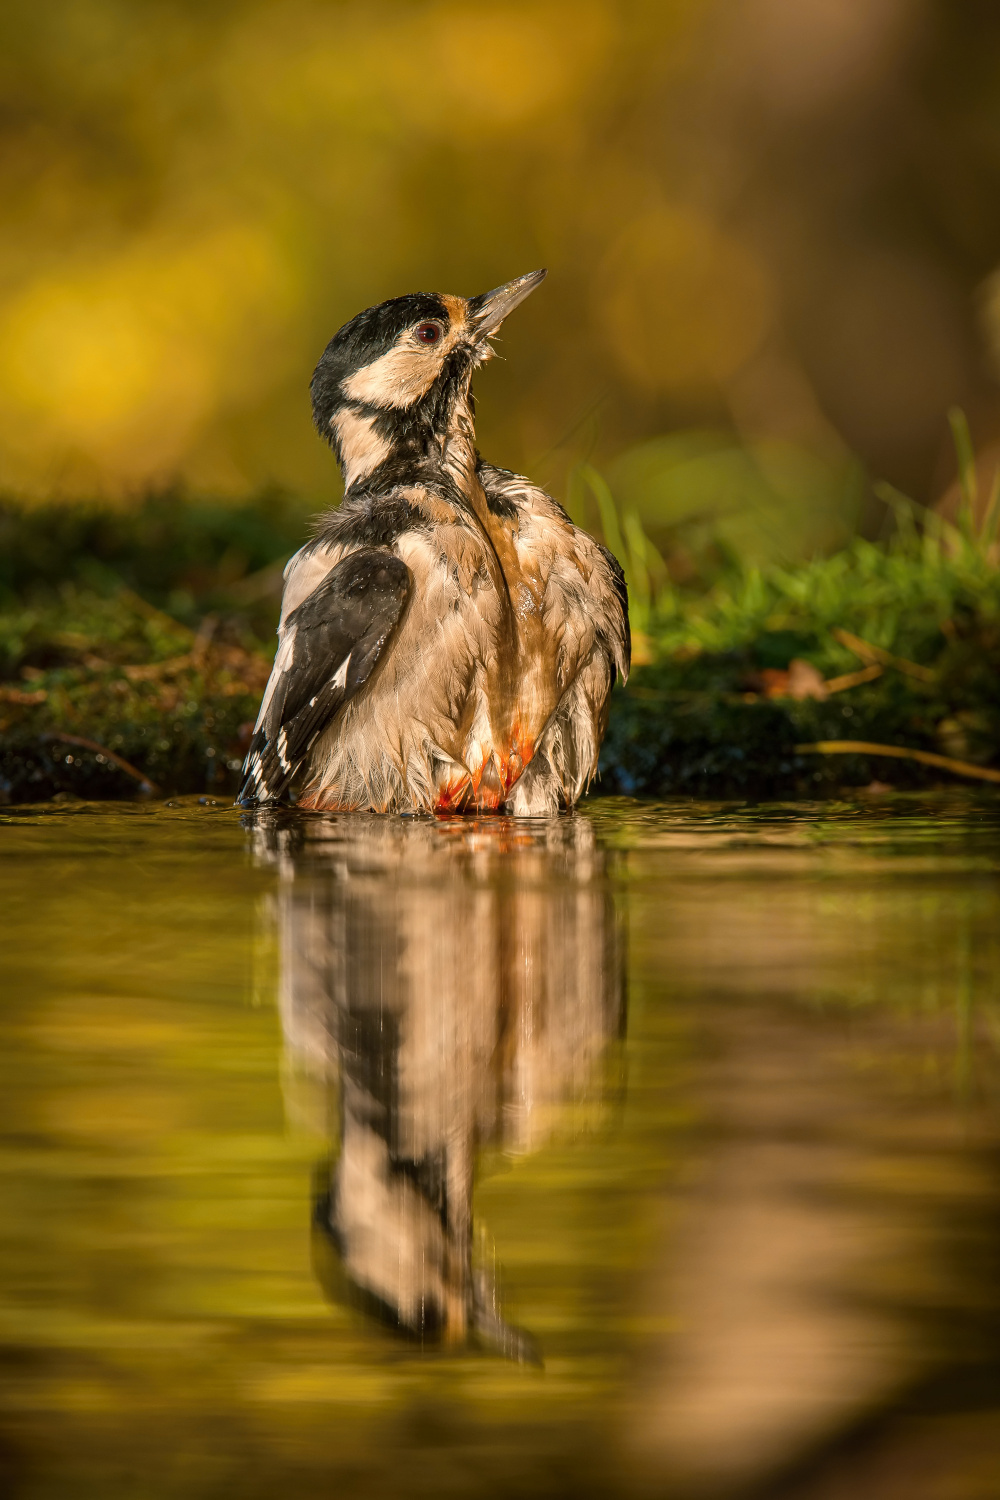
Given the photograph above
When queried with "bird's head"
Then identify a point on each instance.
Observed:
(395, 381)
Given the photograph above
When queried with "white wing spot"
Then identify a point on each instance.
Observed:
(340, 677)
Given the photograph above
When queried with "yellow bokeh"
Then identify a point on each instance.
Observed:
(195, 198)
(445, 69)
(682, 304)
(119, 364)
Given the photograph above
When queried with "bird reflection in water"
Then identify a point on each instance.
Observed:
(455, 983)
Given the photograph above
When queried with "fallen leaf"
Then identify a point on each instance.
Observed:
(801, 680)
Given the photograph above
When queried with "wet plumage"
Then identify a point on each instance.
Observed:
(448, 639)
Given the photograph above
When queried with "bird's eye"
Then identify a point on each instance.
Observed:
(428, 333)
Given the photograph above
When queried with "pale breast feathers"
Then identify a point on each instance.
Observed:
(585, 599)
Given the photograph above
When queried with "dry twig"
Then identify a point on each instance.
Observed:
(899, 752)
(853, 679)
(870, 653)
(118, 760)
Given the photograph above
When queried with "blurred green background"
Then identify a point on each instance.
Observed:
(772, 227)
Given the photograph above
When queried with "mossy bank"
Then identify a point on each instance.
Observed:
(134, 648)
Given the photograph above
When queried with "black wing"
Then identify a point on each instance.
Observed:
(329, 646)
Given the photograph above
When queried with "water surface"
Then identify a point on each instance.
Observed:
(648, 1151)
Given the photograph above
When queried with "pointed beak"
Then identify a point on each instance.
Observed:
(488, 310)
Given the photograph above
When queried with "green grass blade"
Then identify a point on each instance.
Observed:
(598, 487)
(991, 516)
(962, 438)
(639, 580)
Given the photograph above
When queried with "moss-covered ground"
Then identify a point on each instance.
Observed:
(895, 646)
(134, 646)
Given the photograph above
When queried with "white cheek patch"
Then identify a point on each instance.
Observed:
(361, 447)
(400, 377)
